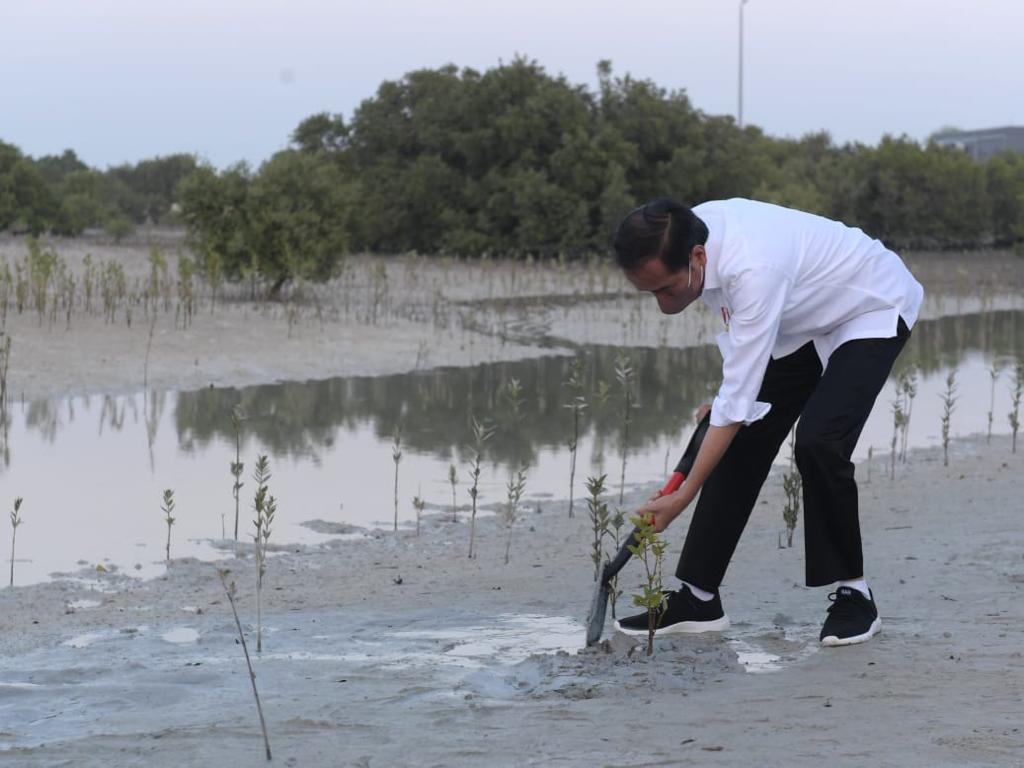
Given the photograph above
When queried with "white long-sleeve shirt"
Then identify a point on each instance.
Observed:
(781, 278)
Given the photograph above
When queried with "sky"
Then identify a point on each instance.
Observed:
(123, 80)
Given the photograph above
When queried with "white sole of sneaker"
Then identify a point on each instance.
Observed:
(833, 642)
(680, 628)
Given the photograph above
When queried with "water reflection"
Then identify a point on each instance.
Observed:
(435, 408)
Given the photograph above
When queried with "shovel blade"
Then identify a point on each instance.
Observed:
(598, 611)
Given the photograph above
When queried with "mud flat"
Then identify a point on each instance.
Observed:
(381, 316)
(396, 650)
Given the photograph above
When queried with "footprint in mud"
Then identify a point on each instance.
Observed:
(770, 651)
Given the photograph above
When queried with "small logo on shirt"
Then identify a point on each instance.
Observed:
(725, 317)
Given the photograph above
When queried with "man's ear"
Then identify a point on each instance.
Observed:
(698, 257)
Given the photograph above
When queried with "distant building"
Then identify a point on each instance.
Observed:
(981, 145)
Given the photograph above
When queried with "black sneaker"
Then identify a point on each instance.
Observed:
(682, 613)
(852, 618)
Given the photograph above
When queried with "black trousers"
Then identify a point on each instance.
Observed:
(833, 406)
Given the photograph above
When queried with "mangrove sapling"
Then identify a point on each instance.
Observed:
(577, 404)
(42, 263)
(516, 486)
(993, 374)
(5, 362)
(186, 291)
(481, 434)
(265, 507)
(626, 377)
(1015, 395)
(15, 522)
(948, 403)
(514, 396)
(230, 590)
(418, 504)
(618, 520)
(237, 467)
(453, 479)
(149, 346)
(396, 455)
(88, 282)
(907, 389)
(650, 550)
(6, 286)
(897, 422)
(20, 287)
(167, 508)
(599, 520)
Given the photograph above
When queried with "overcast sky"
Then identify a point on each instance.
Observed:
(122, 80)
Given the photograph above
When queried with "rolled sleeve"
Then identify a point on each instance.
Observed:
(758, 295)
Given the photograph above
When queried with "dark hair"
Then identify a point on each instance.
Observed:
(663, 228)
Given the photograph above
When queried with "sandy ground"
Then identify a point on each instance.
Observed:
(384, 649)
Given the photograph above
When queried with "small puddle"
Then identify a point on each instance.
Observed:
(83, 641)
(755, 661)
(180, 636)
(509, 639)
(82, 604)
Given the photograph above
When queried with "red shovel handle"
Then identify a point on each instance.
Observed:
(689, 457)
(673, 484)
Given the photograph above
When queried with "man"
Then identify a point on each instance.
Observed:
(815, 314)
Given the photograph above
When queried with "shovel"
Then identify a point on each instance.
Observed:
(599, 605)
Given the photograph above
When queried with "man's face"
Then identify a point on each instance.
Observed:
(670, 289)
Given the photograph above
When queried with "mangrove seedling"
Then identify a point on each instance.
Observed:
(993, 374)
(907, 389)
(418, 504)
(516, 486)
(265, 507)
(514, 396)
(5, 362)
(626, 377)
(481, 434)
(15, 522)
(618, 520)
(237, 417)
(599, 520)
(230, 590)
(1015, 395)
(948, 404)
(650, 550)
(898, 417)
(396, 456)
(167, 508)
(577, 404)
(453, 479)
(149, 346)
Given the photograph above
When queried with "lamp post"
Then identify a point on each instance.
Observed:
(739, 110)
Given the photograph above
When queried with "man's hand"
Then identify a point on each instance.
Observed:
(663, 510)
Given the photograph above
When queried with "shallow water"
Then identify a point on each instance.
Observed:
(92, 470)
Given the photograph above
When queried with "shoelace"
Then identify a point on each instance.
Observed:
(843, 606)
